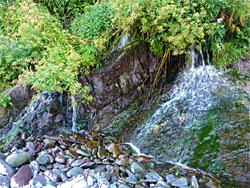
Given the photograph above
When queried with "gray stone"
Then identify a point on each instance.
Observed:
(22, 177)
(170, 178)
(74, 171)
(42, 158)
(6, 169)
(180, 182)
(161, 183)
(103, 182)
(153, 176)
(137, 168)
(18, 158)
(4, 181)
(53, 176)
(35, 167)
(194, 183)
(90, 181)
(38, 181)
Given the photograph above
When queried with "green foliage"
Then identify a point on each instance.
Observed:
(179, 24)
(65, 10)
(5, 100)
(95, 30)
(37, 49)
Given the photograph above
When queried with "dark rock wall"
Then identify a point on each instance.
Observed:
(115, 85)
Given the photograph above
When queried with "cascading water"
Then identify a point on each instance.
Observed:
(191, 127)
(192, 96)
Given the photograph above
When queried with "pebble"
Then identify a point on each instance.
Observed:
(60, 159)
(74, 171)
(170, 178)
(137, 168)
(194, 183)
(94, 163)
(53, 176)
(43, 158)
(18, 158)
(35, 167)
(180, 182)
(122, 160)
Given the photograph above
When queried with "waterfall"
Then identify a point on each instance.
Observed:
(193, 95)
(125, 40)
(202, 58)
(74, 113)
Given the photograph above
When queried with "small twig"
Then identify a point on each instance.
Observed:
(164, 59)
(231, 18)
(59, 139)
(206, 174)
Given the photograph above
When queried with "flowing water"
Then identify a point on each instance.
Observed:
(204, 124)
(193, 95)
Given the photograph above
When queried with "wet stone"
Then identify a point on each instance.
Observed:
(2, 156)
(72, 153)
(52, 176)
(35, 167)
(64, 168)
(64, 176)
(144, 160)
(17, 159)
(42, 158)
(170, 178)
(78, 163)
(137, 168)
(60, 159)
(74, 171)
(38, 181)
(88, 164)
(114, 149)
(162, 184)
(83, 152)
(101, 153)
(122, 160)
(194, 183)
(153, 176)
(31, 146)
(180, 182)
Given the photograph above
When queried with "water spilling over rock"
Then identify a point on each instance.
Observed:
(205, 124)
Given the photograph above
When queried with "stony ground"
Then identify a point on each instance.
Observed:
(90, 160)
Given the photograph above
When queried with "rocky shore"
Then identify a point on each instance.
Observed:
(90, 159)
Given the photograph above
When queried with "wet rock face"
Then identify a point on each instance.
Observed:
(20, 98)
(113, 87)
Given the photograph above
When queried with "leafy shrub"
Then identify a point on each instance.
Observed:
(177, 25)
(95, 29)
(37, 50)
(65, 10)
(5, 100)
